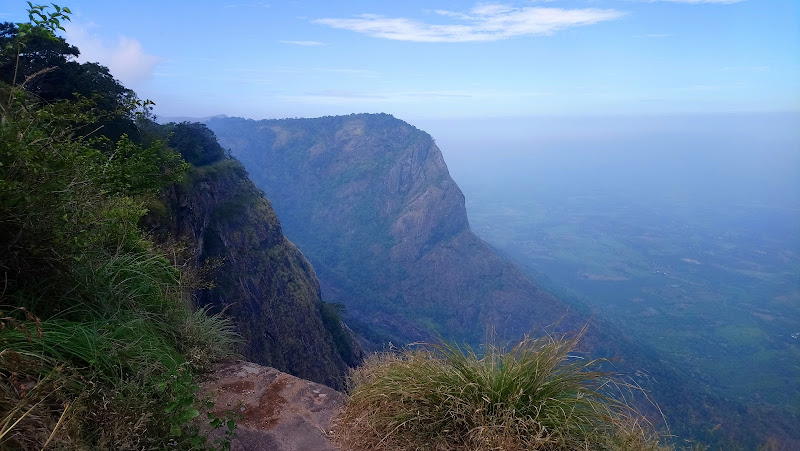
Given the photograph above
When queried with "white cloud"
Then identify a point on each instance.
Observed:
(334, 96)
(484, 22)
(700, 88)
(303, 43)
(126, 60)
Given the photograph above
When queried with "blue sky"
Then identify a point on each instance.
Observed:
(445, 59)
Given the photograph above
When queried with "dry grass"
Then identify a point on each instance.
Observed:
(536, 396)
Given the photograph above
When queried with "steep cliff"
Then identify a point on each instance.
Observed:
(370, 201)
(256, 274)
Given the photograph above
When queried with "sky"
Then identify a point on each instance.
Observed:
(444, 59)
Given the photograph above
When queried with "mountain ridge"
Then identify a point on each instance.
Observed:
(370, 201)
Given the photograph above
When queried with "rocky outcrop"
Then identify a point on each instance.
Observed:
(258, 276)
(274, 411)
(370, 201)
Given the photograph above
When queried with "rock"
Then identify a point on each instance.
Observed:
(279, 412)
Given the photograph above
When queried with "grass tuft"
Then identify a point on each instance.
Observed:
(208, 337)
(534, 396)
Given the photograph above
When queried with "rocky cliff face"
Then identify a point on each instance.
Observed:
(260, 278)
(370, 201)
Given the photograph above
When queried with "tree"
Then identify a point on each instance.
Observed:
(197, 144)
(34, 59)
(71, 178)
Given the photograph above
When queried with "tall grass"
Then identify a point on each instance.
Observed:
(535, 396)
(120, 345)
(208, 337)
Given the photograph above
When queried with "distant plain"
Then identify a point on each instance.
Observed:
(683, 231)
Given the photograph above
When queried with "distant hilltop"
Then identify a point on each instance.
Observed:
(369, 199)
(179, 119)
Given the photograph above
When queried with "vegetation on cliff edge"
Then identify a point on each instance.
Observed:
(538, 395)
(98, 344)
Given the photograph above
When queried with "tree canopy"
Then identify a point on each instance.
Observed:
(44, 65)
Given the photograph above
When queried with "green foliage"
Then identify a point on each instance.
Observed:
(35, 60)
(124, 360)
(537, 395)
(181, 406)
(39, 17)
(42, 25)
(228, 423)
(64, 199)
(331, 314)
(97, 340)
(136, 170)
(196, 143)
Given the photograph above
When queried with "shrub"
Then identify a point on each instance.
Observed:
(535, 396)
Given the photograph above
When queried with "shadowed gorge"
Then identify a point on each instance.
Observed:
(256, 275)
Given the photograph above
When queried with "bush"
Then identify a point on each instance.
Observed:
(536, 396)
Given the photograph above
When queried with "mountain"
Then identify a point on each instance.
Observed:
(370, 201)
(256, 275)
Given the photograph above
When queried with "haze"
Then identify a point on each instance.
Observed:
(730, 159)
(640, 158)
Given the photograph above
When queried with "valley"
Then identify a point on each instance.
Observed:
(686, 238)
(723, 302)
